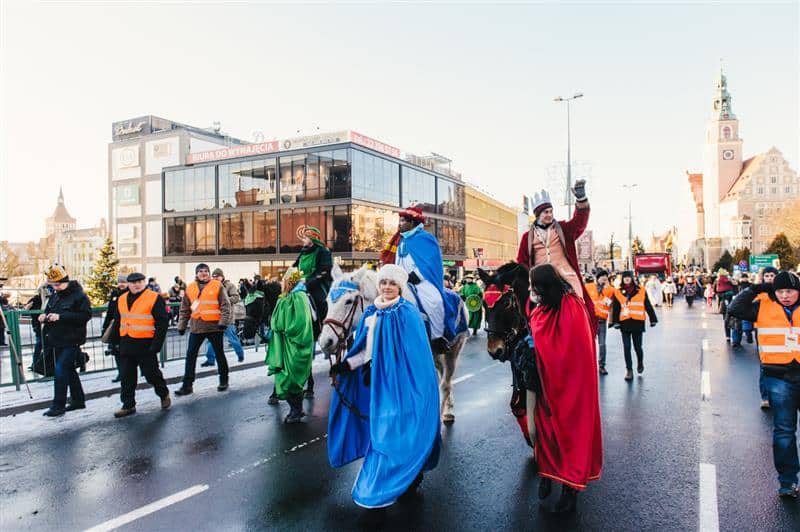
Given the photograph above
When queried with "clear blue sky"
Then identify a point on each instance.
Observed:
(472, 81)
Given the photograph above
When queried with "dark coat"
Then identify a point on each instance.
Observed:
(133, 346)
(632, 325)
(113, 314)
(319, 282)
(74, 311)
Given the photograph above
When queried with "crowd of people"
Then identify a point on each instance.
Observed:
(385, 409)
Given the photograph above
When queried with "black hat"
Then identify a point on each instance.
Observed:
(135, 276)
(627, 273)
(201, 266)
(770, 269)
(786, 280)
(600, 272)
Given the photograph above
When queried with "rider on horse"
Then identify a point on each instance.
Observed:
(418, 253)
(315, 263)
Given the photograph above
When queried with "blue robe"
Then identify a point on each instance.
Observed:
(401, 436)
(424, 249)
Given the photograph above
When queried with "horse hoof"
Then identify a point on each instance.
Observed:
(448, 419)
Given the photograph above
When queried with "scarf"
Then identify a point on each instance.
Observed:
(382, 303)
(308, 259)
(628, 290)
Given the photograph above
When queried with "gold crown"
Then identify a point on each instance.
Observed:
(55, 273)
(293, 275)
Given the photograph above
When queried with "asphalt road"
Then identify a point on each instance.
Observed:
(225, 461)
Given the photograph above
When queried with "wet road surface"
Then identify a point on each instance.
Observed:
(225, 461)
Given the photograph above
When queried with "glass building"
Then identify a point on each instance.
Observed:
(251, 208)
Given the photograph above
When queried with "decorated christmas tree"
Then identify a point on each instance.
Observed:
(104, 274)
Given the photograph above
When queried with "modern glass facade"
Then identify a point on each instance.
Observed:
(256, 206)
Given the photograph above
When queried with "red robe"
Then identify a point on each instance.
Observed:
(569, 442)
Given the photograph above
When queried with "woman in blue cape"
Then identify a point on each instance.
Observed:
(385, 407)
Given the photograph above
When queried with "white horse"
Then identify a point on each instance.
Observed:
(350, 295)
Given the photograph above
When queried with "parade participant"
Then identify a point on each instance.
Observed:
(108, 321)
(653, 287)
(767, 277)
(153, 285)
(552, 242)
(776, 317)
(64, 330)
(568, 441)
(385, 407)
(709, 294)
(230, 330)
(419, 254)
(291, 346)
(140, 322)
(628, 311)
(472, 295)
(690, 289)
(601, 293)
(205, 310)
(725, 291)
(315, 263)
(669, 289)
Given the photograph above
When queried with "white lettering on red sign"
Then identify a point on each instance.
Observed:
(373, 144)
(234, 151)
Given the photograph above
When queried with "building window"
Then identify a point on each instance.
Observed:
(293, 173)
(247, 183)
(333, 223)
(787, 190)
(339, 170)
(372, 228)
(451, 237)
(248, 232)
(450, 198)
(773, 179)
(419, 189)
(763, 230)
(726, 132)
(773, 190)
(760, 191)
(375, 179)
(190, 189)
(190, 235)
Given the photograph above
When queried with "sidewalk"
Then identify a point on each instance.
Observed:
(98, 384)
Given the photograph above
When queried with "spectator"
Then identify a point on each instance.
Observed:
(153, 285)
(238, 313)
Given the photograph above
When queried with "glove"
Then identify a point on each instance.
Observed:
(580, 190)
(181, 331)
(367, 373)
(340, 367)
(413, 278)
(652, 325)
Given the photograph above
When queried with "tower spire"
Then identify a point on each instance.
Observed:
(722, 109)
(61, 195)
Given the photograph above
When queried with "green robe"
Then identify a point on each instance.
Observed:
(475, 318)
(291, 347)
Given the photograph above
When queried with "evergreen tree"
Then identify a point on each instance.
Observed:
(783, 248)
(725, 261)
(742, 254)
(104, 274)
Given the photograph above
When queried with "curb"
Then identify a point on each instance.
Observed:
(39, 405)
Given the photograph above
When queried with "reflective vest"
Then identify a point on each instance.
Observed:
(205, 306)
(633, 309)
(138, 321)
(602, 303)
(777, 337)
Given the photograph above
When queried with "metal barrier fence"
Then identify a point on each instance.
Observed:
(21, 334)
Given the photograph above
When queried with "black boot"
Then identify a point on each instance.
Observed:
(309, 393)
(567, 502)
(273, 398)
(295, 409)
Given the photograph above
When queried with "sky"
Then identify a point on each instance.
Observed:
(472, 81)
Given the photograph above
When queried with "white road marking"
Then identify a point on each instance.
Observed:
(705, 325)
(149, 508)
(463, 378)
(705, 386)
(709, 514)
(705, 344)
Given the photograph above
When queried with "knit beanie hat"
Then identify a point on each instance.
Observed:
(395, 273)
(201, 266)
(57, 274)
(770, 269)
(786, 280)
(217, 273)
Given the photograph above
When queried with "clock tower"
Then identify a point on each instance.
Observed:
(723, 156)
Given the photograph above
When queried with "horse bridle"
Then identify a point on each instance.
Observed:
(512, 334)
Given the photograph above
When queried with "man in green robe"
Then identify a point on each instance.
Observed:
(291, 346)
(472, 295)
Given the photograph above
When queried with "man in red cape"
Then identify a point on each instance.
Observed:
(548, 241)
(568, 444)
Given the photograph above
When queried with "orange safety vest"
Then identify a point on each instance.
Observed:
(602, 305)
(205, 306)
(633, 309)
(778, 338)
(138, 321)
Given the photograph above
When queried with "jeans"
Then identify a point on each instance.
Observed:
(637, 345)
(195, 341)
(233, 339)
(761, 386)
(601, 341)
(67, 376)
(784, 400)
(148, 363)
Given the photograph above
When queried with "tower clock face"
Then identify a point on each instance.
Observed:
(727, 155)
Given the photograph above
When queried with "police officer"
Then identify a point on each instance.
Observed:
(206, 311)
(140, 327)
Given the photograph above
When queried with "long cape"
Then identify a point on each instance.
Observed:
(400, 437)
(424, 249)
(291, 347)
(569, 441)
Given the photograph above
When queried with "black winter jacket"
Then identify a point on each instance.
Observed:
(632, 325)
(135, 346)
(74, 311)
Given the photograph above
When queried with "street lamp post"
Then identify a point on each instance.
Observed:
(630, 224)
(569, 154)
